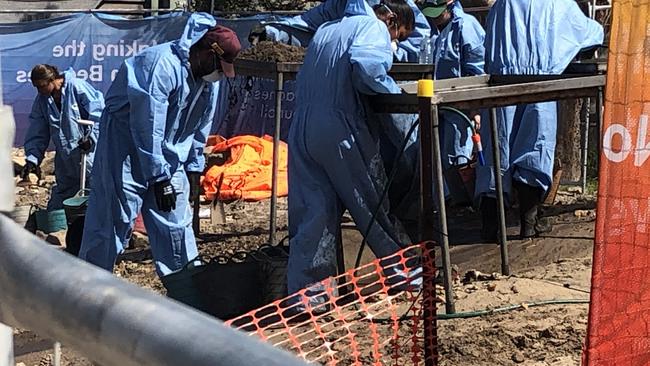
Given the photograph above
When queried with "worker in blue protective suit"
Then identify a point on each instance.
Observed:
(528, 37)
(158, 114)
(457, 52)
(299, 30)
(61, 102)
(334, 161)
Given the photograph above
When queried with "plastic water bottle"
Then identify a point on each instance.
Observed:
(426, 51)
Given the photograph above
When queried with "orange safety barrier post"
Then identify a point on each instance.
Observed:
(378, 320)
(618, 332)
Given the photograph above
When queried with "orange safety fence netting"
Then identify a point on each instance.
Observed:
(247, 172)
(372, 315)
(618, 332)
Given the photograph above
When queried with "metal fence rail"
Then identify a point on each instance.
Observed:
(109, 320)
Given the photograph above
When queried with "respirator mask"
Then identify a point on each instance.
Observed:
(213, 76)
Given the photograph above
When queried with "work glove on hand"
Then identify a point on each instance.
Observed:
(85, 145)
(28, 169)
(165, 195)
(257, 34)
(195, 181)
(475, 116)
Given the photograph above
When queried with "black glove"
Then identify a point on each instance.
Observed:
(257, 34)
(165, 195)
(195, 181)
(28, 169)
(85, 145)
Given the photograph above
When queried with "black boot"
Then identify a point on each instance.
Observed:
(529, 200)
(489, 219)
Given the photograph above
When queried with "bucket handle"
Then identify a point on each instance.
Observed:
(82, 193)
(191, 262)
(260, 256)
(237, 255)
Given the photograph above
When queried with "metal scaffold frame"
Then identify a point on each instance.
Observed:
(472, 93)
(284, 71)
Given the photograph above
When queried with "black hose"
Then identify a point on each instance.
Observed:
(393, 173)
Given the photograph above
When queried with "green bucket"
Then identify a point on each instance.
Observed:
(180, 285)
(75, 207)
(51, 221)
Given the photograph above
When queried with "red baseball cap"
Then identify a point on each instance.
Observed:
(224, 42)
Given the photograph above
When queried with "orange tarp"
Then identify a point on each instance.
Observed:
(247, 173)
(618, 331)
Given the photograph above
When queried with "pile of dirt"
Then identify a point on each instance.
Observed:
(268, 51)
(36, 191)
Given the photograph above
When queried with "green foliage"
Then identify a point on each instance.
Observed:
(250, 5)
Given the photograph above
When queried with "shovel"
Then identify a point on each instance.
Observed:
(84, 163)
(217, 209)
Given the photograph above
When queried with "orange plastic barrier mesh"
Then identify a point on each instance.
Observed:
(372, 315)
(618, 332)
(247, 173)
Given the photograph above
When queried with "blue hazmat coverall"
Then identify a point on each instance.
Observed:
(458, 51)
(530, 37)
(334, 161)
(154, 128)
(79, 100)
(298, 30)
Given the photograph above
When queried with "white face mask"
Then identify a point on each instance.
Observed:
(213, 76)
(393, 46)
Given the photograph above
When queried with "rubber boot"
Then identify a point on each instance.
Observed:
(489, 219)
(529, 200)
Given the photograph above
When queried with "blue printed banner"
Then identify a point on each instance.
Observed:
(95, 45)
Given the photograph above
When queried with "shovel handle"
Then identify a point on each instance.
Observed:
(196, 207)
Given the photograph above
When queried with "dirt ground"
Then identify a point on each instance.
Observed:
(273, 52)
(554, 267)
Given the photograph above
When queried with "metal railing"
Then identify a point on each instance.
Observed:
(107, 319)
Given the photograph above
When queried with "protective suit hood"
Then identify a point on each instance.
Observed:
(197, 25)
(358, 7)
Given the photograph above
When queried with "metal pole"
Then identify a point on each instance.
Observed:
(82, 183)
(7, 202)
(450, 307)
(342, 287)
(107, 11)
(496, 156)
(6, 345)
(57, 354)
(110, 321)
(427, 209)
(599, 123)
(426, 110)
(585, 147)
(279, 87)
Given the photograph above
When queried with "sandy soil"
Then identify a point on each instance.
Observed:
(554, 267)
(273, 52)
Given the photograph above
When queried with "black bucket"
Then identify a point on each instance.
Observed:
(273, 264)
(230, 287)
(181, 287)
(460, 183)
(75, 214)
